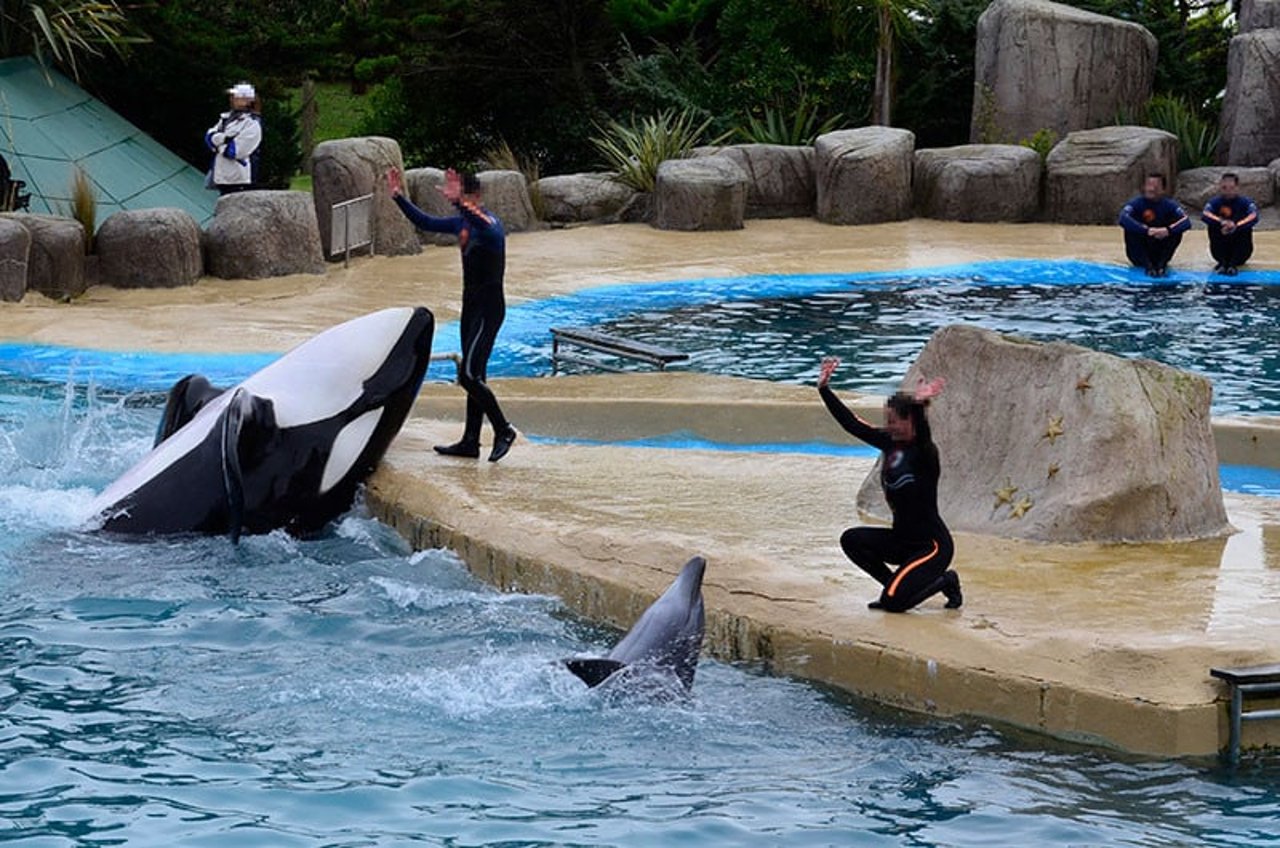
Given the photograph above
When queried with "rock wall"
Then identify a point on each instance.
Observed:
(978, 182)
(56, 259)
(1092, 173)
(15, 250)
(1060, 443)
(348, 168)
(1251, 108)
(149, 248)
(863, 176)
(1041, 65)
(256, 234)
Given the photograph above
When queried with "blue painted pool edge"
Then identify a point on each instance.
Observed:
(1242, 479)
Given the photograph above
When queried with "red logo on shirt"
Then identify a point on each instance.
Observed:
(1224, 211)
(1148, 215)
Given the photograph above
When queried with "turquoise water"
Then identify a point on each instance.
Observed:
(777, 326)
(343, 691)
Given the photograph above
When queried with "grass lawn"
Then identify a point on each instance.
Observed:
(338, 115)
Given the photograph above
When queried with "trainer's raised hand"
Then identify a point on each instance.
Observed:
(394, 185)
(826, 369)
(929, 389)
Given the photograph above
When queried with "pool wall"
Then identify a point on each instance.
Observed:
(1149, 693)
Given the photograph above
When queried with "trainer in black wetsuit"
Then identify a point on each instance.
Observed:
(1230, 218)
(1153, 227)
(918, 543)
(484, 257)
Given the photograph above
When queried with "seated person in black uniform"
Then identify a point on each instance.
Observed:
(1230, 217)
(1153, 227)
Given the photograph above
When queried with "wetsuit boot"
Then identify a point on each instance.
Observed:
(464, 448)
(502, 442)
(951, 588)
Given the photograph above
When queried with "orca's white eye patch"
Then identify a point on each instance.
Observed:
(351, 441)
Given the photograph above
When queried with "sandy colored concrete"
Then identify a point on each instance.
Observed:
(1109, 644)
(247, 315)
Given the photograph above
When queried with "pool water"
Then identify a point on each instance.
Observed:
(345, 691)
(1229, 333)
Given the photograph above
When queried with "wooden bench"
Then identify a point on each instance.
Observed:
(1250, 682)
(612, 345)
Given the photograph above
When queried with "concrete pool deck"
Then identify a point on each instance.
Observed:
(1103, 644)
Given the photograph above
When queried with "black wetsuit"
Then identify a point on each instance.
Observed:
(1233, 249)
(1140, 215)
(918, 542)
(484, 258)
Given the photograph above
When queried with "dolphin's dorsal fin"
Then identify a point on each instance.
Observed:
(593, 670)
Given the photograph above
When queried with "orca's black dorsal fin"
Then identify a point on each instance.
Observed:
(593, 670)
(187, 397)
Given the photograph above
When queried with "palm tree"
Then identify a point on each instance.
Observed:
(64, 30)
(894, 19)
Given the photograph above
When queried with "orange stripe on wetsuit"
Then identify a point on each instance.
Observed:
(910, 566)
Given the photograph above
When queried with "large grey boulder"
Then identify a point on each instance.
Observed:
(1090, 174)
(506, 194)
(1041, 65)
(149, 248)
(1274, 168)
(1197, 185)
(863, 176)
(1059, 443)
(708, 193)
(780, 179)
(574, 198)
(423, 187)
(256, 234)
(1251, 108)
(347, 168)
(1259, 14)
(55, 264)
(15, 250)
(978, 182)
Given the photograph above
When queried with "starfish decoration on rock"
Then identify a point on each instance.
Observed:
(1005, 495)
(1020, 508)
(1083, 385)
(1054, 430)
(1054, 468)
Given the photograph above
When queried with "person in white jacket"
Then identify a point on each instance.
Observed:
(234, 141)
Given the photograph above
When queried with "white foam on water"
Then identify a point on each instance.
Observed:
(27, 507)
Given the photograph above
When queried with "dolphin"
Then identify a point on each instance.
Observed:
(667, 637)
(286, 448)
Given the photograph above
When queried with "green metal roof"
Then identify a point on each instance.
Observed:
(48, 125)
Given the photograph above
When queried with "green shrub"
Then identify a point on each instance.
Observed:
(1042, 142)
(633, 151)
(1197, 137)
(771, 126)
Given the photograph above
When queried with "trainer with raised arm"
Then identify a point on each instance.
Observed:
(1153, 227)
(483, 243)
(918, 543)
(1230, 217)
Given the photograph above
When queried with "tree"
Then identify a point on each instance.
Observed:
(895, 20)
(68, 31)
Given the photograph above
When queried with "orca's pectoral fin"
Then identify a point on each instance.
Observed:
(187, 397)
(233, 419)
(593, 670)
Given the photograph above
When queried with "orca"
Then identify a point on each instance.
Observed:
(667, 638)
(288, 447)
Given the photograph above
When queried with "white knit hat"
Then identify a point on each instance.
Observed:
(242, 89)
